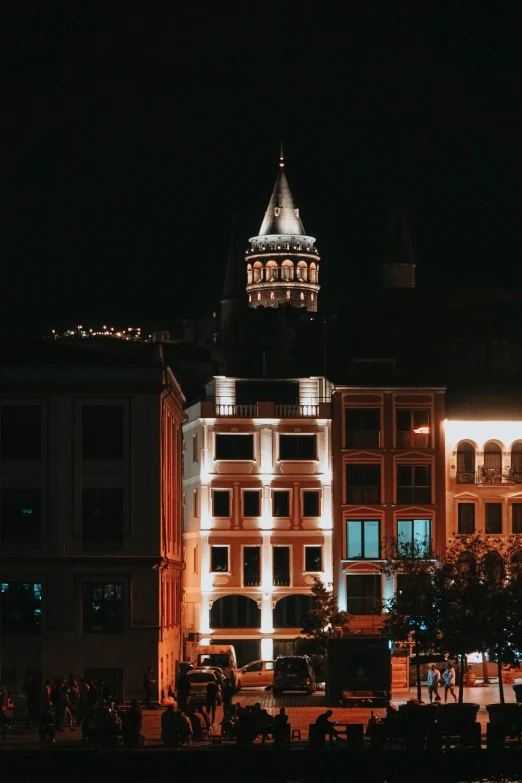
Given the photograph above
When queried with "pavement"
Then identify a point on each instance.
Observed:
(301, 710)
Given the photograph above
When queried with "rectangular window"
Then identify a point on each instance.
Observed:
(311, 503)
(251, 503)
(20, 517)
(195, 448)
(102, 517)
(21, 432)
(313, 558)
(195, 504)
(362, 428)
(363, 594)
(102, 608)
(363, 484)
(21, 607)
(281, 565)
(102, 432)
(219, 559)
(251, 566)
(414, 537)
(235, 447)
(221, 503)
(494, 518)
(297, 447)
(466, 518)
(413, 484)
(364, 539)
(282, 503)
(412, 428)
(195, 559)
(516, 518)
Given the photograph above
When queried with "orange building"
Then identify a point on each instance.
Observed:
(388, 483)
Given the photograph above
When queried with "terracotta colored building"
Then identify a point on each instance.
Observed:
(388, 483)
(90, 517)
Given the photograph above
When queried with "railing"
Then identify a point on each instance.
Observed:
(363, 439)
(466, 477)
(356, 495)
(495, 475)
(281, 580)
(364, 605)
(251, 580)
(411, 440)
(236, 411)
(297, 411)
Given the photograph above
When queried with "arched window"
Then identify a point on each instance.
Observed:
(313, 272)
(292, 611)
(258, 271)
(302, 271)
(235, 611)
(465, 463)
(301, 296)
(516, 462)
(492, 471)
(287, 270)
(249, 274)
(288, 294)
(271, 270)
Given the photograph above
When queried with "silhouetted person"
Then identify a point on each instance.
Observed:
(325, 726)
(131, 725)
(211, 700)
(148, 682)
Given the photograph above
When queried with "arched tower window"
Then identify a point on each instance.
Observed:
(465, 464)
(249, 274)
(271, 271)
(313, 272)
(302, 271)
(258, 271)
(287, 270)
(516, 462)
(492, 471)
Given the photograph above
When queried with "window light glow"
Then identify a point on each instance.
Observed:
(480, 432)
(204, 642)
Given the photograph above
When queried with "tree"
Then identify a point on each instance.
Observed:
(473, 597)
(412, 610)
(502, 610)
(320, 623)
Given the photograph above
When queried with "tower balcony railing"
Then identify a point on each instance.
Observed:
(317, 408)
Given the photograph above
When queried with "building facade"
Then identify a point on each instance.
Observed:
(90, 521)
(484, 474)
(388, 480)
(282, 261)
(258, 516)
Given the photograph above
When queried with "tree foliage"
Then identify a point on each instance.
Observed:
(322, 619)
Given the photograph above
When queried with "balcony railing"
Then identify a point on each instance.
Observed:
(247, 411)
(315, 409)
(364, 605)
(489, 476)
(281, 580)
(251, 580)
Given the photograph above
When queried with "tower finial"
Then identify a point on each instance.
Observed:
(281, 157)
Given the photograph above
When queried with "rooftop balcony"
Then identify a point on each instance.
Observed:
(315, 409)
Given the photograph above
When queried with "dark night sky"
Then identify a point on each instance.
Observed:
(139, 129)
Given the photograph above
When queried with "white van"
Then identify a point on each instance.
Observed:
(222, 655)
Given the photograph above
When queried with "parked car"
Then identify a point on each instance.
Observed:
(222, 655)
(216, 669)
(293, 673)
(199, 679)
(257, 673)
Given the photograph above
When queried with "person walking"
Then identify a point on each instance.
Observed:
(448, 678)
(148, 682)
(228, 693)
(211, 700)
(183, 691)
(433, 681)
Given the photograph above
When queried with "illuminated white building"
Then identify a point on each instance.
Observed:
(258, 512)
(484, 475)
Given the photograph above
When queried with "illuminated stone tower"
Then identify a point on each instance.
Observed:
(282, 262)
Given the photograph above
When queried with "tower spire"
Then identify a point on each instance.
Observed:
(399, 268)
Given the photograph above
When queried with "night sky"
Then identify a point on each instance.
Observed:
(138, 130)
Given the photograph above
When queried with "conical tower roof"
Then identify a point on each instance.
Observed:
(234, 285)
(281, 216)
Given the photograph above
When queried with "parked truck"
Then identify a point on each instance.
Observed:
(358, 671)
